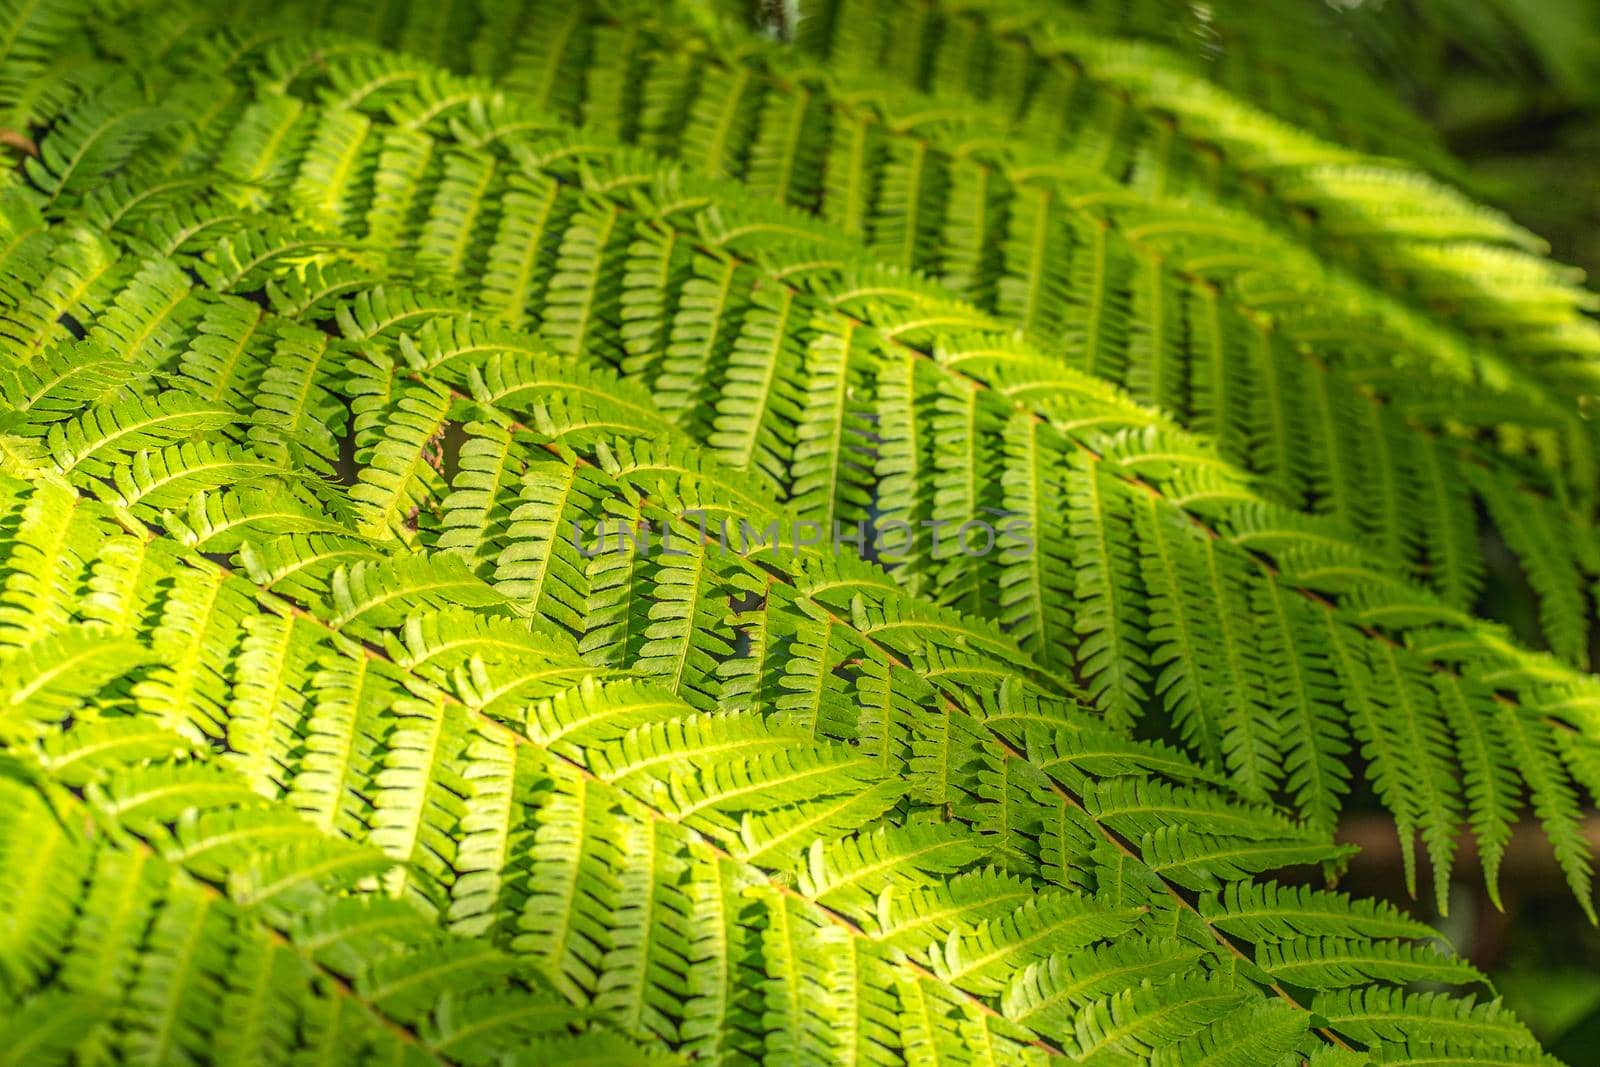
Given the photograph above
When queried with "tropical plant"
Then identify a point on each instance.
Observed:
(380, 382)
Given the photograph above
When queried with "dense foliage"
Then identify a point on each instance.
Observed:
(334, 334)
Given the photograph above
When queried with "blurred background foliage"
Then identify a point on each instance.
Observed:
(1501, 97)
(1512, 89)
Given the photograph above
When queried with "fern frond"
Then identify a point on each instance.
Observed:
(429, 548)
